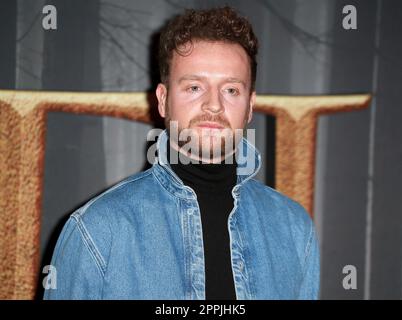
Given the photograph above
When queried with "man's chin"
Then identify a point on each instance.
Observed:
(205, 143)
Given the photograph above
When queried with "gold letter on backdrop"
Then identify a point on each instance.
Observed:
(22, 148)
(296, 127)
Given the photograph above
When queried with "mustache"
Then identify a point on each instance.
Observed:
(210, 118)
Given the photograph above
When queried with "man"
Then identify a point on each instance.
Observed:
(199, 227)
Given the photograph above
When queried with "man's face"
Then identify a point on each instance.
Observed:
(209, 92)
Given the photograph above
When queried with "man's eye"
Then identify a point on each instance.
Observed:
(232, 91)
(193, 89)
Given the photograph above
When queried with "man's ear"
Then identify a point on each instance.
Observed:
(161, 94)
(252, 102)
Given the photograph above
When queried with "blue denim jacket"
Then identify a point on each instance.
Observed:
(142, 239)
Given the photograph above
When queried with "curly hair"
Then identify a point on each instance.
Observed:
(218, 24)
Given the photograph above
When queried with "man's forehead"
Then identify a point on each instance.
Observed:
(205, 58)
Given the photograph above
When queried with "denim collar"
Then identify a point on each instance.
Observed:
(248, 164)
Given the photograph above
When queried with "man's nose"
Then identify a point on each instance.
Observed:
(213, 103)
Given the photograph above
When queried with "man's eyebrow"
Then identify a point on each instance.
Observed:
(190, 77)
(236, 80)
(197, 77)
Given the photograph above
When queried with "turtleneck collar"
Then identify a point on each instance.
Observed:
(205, 177)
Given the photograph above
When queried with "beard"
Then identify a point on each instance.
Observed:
(205, 143)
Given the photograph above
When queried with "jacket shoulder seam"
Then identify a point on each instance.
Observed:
(90, 245)
(82, 210)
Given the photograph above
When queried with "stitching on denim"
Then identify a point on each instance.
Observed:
(308, 246)
(197, 252)
(164, 187)
(187, 258)
(245, 256)
(117, 186)
(90, 244)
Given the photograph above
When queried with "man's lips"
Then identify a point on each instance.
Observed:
(211, 125)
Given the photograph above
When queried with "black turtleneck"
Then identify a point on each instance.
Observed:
(213, 185)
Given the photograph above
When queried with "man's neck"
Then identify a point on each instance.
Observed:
(179, 155)
(204, 177)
